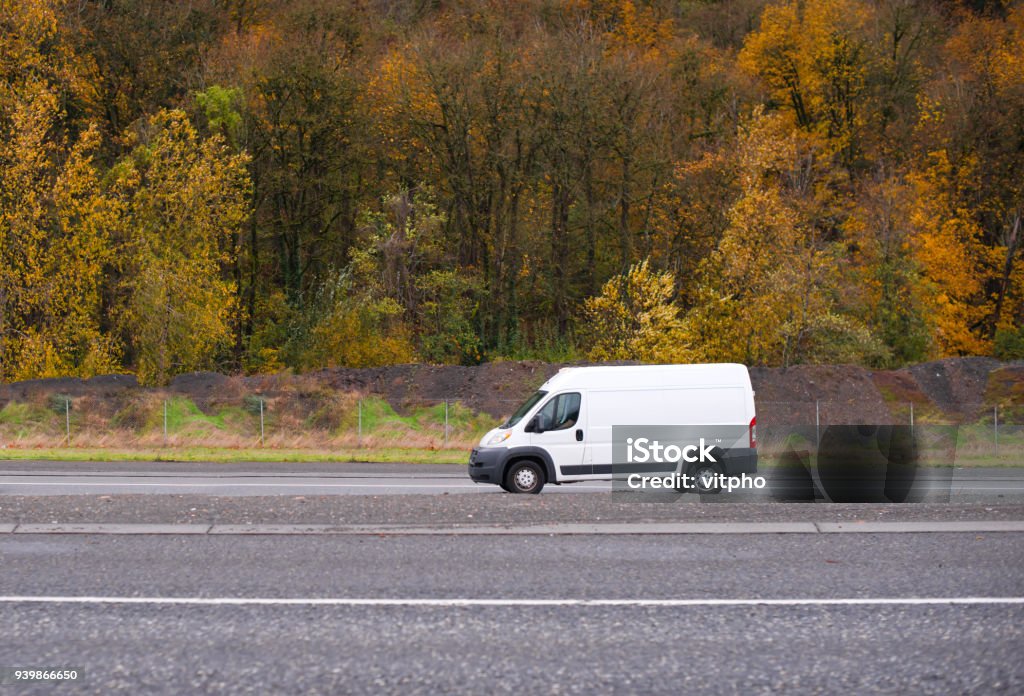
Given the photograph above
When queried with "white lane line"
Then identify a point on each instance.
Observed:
(116, 484)
(232, 475)
(246, 484)
(472, 602)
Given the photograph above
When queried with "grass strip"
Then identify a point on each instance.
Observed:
(218, 454)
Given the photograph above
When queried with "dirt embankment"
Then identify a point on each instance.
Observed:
(959, 387)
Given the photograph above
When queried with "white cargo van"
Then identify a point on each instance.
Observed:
(566, 431)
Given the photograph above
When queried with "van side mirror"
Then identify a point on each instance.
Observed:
(533, 426)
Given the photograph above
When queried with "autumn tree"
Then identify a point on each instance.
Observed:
(691, 215)
(365, 316)
(768, 293)
(183, 199)
(355, 324)
(955, 262)
(870, 211)
(463, 112)
(282, 85)
(301, 137)
(139, 56)
(970, 176)
(634, 318)
(54, 219)
(885, 285)
(815, 59)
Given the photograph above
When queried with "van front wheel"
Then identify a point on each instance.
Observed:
(524, 477)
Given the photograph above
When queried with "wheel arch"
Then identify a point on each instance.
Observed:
(535, 454)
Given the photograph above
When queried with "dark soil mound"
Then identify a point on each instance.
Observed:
(955, 384)
(834, 393)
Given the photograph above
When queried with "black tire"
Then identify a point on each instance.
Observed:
(698, 472)
(524, 477)
(790, 481)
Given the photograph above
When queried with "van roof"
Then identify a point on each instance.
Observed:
(634, 376)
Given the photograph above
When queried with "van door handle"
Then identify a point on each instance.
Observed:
(579, 435)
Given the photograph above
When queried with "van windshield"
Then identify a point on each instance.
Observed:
(523, 410)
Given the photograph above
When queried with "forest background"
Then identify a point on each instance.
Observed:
(262, 185)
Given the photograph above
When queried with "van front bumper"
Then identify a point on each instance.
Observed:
(486, 463)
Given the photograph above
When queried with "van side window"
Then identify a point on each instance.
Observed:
(560, 413)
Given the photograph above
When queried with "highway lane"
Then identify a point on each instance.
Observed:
(516, 644)
(253, 485)
(261, 479)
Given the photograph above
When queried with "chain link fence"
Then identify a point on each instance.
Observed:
(960, 434)
(328, 419)
(324, 420)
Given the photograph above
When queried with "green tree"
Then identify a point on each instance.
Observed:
(447, 319)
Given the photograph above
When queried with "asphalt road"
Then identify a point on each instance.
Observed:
(261, 479)
(392, 616)
(388, 613)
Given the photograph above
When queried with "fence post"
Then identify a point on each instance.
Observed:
(911, 418)
(817, 422)
(446, 422)
(261, 422)
(995, 425)
(359, 408)
(67, 418)
(165, 422)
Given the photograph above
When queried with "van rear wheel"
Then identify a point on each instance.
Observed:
(705, 479)
(524, 477)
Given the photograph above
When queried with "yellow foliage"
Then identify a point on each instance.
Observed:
(766, 294)
(183, 199)
(634, 318)
(349, 337)
(401, 96)
(639, 29)
(814, 57)
(54, 217)
(947, 244)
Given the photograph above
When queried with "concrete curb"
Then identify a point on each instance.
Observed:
(669, 528)
(285, 529)
(912, 527)
(112, 529)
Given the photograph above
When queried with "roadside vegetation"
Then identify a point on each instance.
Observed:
(174, 424)
(350, 427)
(409, 455)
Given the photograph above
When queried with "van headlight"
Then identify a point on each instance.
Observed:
(499, 438)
